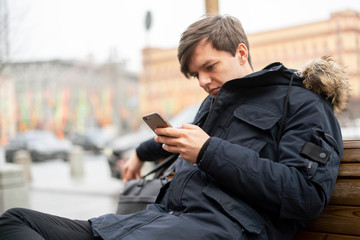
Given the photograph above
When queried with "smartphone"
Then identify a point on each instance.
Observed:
(155, 120)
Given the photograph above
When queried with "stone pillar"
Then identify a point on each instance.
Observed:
(2, 157)
(76, 160)
(13, 189)
(23, 158)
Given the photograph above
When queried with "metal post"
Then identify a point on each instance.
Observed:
(212, 7)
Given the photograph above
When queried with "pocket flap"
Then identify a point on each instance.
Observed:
(257, 116)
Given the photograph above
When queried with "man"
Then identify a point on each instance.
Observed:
(260, 160)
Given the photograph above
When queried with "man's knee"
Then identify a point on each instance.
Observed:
(13, 214)
(15, 224)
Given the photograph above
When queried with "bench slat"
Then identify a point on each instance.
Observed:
(351, 151)
(351, 155)
(338, 220)
(322, 236)
(351, 144)
(346, 192)
(349, 170)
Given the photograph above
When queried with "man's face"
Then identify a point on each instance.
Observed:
(213, 67)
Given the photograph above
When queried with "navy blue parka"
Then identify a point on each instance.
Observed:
(247, 184)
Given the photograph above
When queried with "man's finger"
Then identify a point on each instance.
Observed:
(168, 131)
(189, 126)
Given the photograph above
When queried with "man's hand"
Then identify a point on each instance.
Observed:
(132, 168)
(186, 141)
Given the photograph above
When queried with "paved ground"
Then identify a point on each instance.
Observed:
(53, 190)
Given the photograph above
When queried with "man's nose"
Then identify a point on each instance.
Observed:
(204, 79)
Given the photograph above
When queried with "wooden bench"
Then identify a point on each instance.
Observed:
(340, 220)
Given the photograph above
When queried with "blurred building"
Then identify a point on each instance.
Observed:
(72, 96)
(7, 110)
(338, 36)
(164, 88)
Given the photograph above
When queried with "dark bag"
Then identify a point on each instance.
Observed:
(137, 194)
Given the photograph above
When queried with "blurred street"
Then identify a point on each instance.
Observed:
(54, 191)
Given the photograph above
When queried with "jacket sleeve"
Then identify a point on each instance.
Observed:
(151, 151)
(293, 186)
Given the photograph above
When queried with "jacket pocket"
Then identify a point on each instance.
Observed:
(257, 116)
(253, 126)
(238, 211)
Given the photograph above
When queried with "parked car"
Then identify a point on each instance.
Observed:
(120, 149)
(94, 140)
(42, 145)
(84, 141)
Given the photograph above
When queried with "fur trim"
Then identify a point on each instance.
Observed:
(328, 79)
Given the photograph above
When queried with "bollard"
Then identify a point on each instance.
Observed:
(23, 158)
(13, 190)
(76, 160)
(2, 157)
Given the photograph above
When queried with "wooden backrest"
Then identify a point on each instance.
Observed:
(341, 218)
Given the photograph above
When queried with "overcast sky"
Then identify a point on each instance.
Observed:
(77, 29)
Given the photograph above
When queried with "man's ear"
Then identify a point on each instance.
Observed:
(242, 53)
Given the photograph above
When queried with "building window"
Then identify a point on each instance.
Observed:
(326, 49)
(315, 49)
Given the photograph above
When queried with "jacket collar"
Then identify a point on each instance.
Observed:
(263, 77)
(203, 111)
(273, 74)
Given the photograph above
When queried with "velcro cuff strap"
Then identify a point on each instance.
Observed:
(315, 153)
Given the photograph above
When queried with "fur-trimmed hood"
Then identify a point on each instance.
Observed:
(328, 79)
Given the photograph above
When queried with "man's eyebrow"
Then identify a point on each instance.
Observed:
(206, 63)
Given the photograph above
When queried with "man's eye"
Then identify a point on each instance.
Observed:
(195, 76)
(211, 67)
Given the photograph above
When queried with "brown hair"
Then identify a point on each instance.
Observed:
(224, 32)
